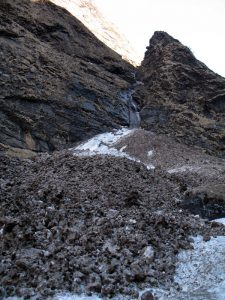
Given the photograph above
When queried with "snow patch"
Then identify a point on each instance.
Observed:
(69, 296)
(13, 298)
(132, 221)
(150, 153)
(183, 169)
(202, 270)
(150, 167)
(103, 144)
(149, 252)
(222, 221)
(123, 148)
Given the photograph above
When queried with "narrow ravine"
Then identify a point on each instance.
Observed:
(127, 97)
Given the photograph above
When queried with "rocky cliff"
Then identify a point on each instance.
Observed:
(181, 96)
(59, 83)
(90, 15)
(110, 215)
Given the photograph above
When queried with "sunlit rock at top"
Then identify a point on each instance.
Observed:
(89, 14)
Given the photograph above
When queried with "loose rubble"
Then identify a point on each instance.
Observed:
(99, 224)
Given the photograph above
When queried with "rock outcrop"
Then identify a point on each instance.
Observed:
(208, 201)
(90, 15)
(59, 83)
(181, 96)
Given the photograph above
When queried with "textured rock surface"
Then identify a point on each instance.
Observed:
(90, 15)
(181, 96)
(147, 296)
(68, 223)
(192, 166)
(59, 84)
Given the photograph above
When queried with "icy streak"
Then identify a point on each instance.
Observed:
(127, 97)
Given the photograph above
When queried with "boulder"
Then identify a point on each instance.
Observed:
(147, 296)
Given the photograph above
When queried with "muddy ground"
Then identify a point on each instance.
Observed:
(94, 224)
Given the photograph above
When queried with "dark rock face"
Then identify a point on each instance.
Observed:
(181, 96)
(207, 201)
(59, 84)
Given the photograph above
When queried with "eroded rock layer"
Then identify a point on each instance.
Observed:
(181, 96)
(59, 83)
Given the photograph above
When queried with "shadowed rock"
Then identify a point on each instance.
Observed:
(147, 296)
(59, 83)
(207, 201)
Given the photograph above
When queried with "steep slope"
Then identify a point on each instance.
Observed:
(89, 14)
(181, 96)
(102, 224)
(59, 83)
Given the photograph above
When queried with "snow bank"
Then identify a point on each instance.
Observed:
(201, 272)
(69, 296)
(183, 169)
(103, 144)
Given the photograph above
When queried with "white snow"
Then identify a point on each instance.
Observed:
(123, 148)
(2, 230)
(150, 153)
(183, 169)
(200, 272)
(150, 167)
(222, 221)
(203, 268)
(149, 252)
(132, 221)
(69, 296)
(13, 298)
(103, 144)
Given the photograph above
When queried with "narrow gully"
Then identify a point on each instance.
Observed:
(127, 97)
